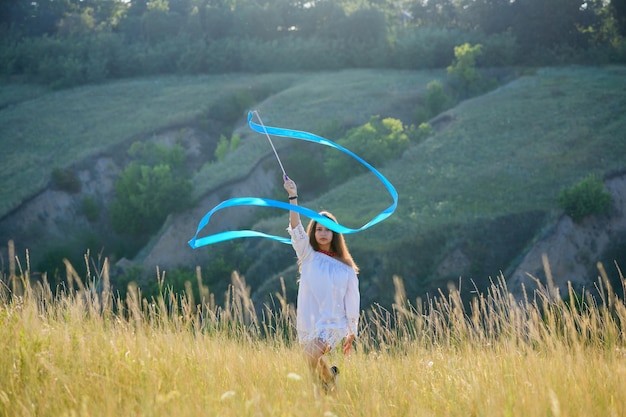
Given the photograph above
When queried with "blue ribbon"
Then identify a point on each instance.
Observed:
(196, 242)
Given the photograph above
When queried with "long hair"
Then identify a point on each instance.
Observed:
(337, 244)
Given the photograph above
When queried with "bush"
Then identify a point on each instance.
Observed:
(66, 180)
(90, 209)
(424, 131)
(235, 141)
(463, 69)
(585, 198)
(377, 142)
(52, 263)
(145, 196)
(149, 189)
(214, 276)
(222, 148)
(436, 98)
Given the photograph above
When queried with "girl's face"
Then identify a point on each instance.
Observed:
(323, 237)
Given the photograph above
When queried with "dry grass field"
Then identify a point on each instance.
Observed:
(82, 351)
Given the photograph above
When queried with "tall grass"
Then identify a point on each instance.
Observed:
(82, 350)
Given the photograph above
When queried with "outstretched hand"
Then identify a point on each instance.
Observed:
(290, 186)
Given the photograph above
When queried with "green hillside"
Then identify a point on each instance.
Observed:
(511, 151)
(46, 130)
(315, 101)
(43, 130)
(487, 181)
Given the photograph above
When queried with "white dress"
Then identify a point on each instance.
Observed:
(328, 295)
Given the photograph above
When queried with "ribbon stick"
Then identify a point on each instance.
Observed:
(271, 143)
(197, 242)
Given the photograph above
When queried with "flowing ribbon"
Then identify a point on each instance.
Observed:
(196, 242)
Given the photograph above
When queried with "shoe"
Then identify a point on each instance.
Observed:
(330, 386)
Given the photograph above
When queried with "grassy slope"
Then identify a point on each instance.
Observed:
(509, 151)
(548, 124)
(42, 131)
(13, 94)
(314, 101)
(514, 149)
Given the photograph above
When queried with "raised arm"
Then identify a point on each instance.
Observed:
(292, 190)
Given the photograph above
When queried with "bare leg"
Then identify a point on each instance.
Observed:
(314, 352)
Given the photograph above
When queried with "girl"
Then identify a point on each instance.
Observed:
(328, 295)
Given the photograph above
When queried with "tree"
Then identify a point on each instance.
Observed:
(159, 24)
(43, 16)
(618, 7)
(377, 142)
(137, 7)
(145, 195)
(13, 14)
(440, 14)
(364, 25)
(255, 21)
(216, 22)
(323, 19)
(541, 25)
(489, 16)
(463, 70)
(150, 188)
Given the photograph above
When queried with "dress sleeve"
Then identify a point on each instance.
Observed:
(353, 305)
(300, 241)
